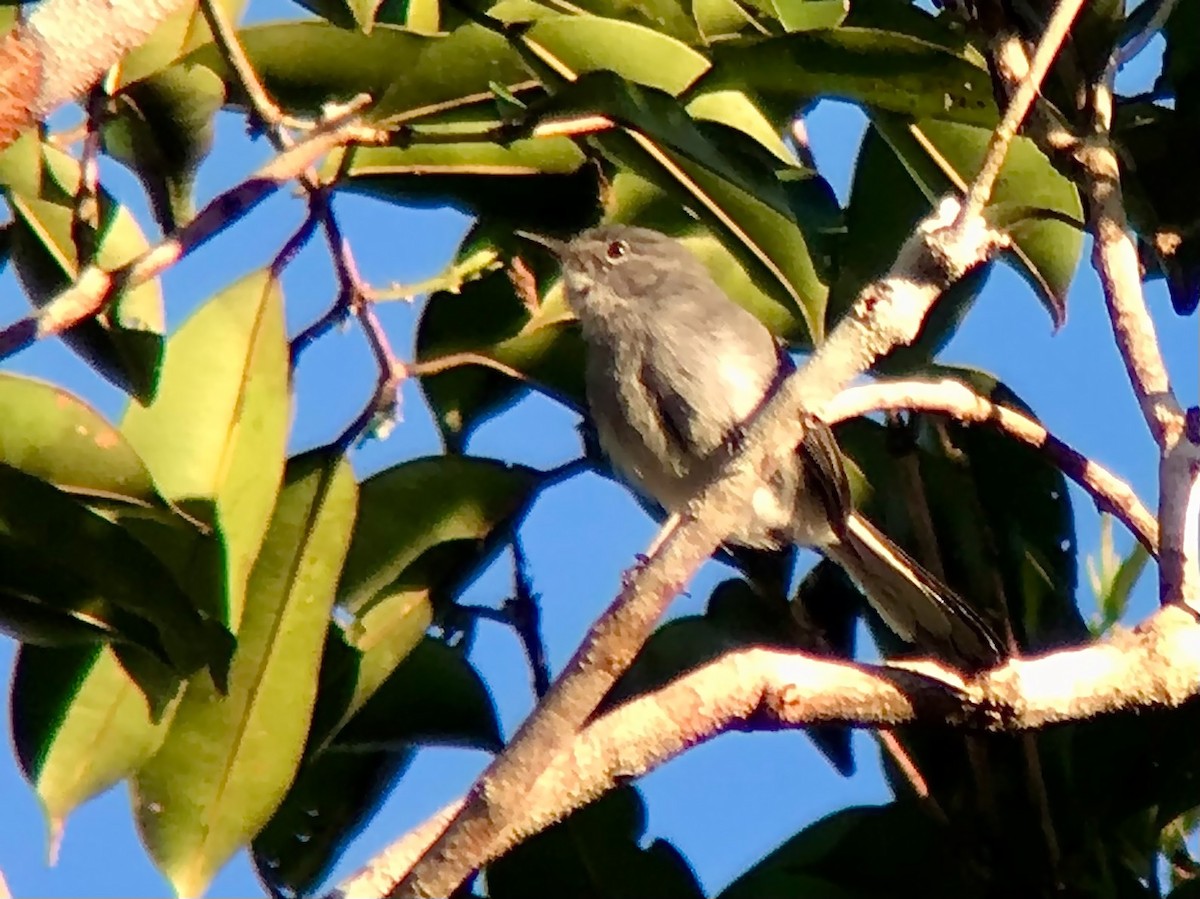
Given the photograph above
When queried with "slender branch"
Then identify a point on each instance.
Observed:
(354, 294)
(525, 616)
(1018, 107)
(953, 398)
(269, 114)
(94, 287)
(1130, 49)
(1154, 666)
(439, 364)
(1114, 256)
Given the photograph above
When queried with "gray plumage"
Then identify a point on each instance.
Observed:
(674, 367)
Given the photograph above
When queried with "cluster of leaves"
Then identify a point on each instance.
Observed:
(190, 645)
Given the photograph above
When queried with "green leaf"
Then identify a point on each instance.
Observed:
(433, 697)
(81, 721)
(583, 44)
(332, 800)
(538, 183)
(214, 436)
(57, 437)
(881, 69)
(228, 760)
(364, 12)
(162, 129)
(737, 109)
(1151, 140)
(303, 64)
(597, 851)
(179, 33)
(409, 508)
(908, 847)
(811, 15)
(736, 193)
(109, 570)
(717, 19)
(885, 206)
(997, 542)
(1048, 237)
(124, 342)
(1181, 58)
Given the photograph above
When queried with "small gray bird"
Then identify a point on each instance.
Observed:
(674, 368)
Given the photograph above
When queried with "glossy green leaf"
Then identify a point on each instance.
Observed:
(409, 508)
(488, 318)
(584, 44)
(304, 64)
(480, 178)
(668, 17)
(228, 760)
(179, 33)
(885, 207)
(162, 129)
(597, 851)
(737, 109)
(433, 697)
(742, 197)
(334, 797)
(108, 570)
(123, 343)
(1151, 140)
(54, 435)
(716, 19)
(1047, 234)
(552, 156)
(810, 15)
(364, 12)
(81, 722)
(997, 544)
(908, 846)
(1181, 58)
(535, 202)
(881, 69)
(214, 436)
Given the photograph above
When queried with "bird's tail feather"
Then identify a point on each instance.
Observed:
(911, 601)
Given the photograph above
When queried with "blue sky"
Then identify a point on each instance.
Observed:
(582, 534)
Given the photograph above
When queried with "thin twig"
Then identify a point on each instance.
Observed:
(94, 287)
(85, 212)
(269, 114)
(438, 364)
(525, 616)
(956, 399)
(354, 295)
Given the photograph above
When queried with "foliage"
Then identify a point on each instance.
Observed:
(260, 644)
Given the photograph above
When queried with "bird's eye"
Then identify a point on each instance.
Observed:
(616, 249)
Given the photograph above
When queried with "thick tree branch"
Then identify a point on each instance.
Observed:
(888, 313)
(956, 399)
(1154, 666)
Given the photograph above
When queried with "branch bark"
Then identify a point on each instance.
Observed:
(888, 313)
(1154, 666)
(953, 398)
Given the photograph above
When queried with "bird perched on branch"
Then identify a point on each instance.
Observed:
(675, 368)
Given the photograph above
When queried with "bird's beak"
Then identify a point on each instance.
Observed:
(553, 244)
